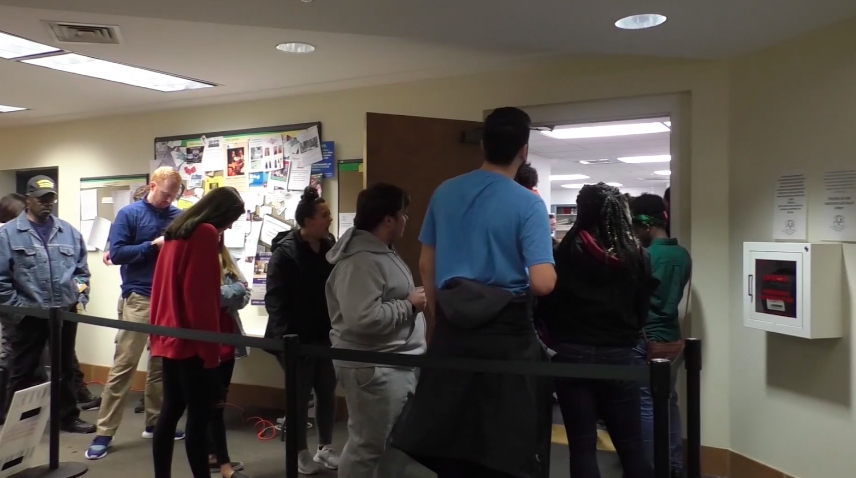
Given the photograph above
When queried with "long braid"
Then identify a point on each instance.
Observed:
(604, 212)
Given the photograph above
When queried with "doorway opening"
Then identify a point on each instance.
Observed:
(632, 155)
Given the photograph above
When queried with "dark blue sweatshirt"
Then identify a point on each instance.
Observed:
(131, 236)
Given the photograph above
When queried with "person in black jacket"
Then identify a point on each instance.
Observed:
(296, 304)
(595, 315)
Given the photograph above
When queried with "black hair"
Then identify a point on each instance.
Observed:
(649, 210)
(506, 132)
(308, 205)
(219, 207)
(527, 176)
(141, 192)
(378, 202)
(551, 216)
(11, 206)
(602, 211)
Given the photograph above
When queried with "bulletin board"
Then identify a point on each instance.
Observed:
(270, 167)
(100, 201)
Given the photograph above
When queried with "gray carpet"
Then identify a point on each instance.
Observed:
(130, 456)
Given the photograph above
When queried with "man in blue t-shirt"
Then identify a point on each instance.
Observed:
(486, 251)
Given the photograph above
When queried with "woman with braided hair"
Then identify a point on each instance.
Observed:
(595, 315)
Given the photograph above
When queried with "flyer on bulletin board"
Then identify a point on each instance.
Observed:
(260, 279)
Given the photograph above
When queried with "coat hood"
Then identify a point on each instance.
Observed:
(355, 241)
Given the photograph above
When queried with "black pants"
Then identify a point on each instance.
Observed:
(583, 401)
(217, 428)
(27, 341)
(451, 468)
(187, 385)
(319, 375)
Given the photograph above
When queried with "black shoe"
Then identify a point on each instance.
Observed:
(77, 426)
(95, 404)
(141, 407)
(84, 395)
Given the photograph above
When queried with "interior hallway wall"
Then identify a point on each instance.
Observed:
(793, 108)
(542, 165)
(123, 145)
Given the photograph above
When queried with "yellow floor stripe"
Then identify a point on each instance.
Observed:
(604, 443)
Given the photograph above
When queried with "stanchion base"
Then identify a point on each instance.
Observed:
(68, 469)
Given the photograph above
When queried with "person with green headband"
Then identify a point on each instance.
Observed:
(671, 264)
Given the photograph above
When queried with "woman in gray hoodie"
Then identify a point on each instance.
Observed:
(374, 306)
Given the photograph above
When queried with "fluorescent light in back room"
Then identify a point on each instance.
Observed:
(664, 158)
(664, 172)
(10, 109)
(607, 130)
(580, 185)
(12, 47)
(107, 70)
(567, 177)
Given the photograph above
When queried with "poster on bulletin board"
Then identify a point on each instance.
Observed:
(268, 166)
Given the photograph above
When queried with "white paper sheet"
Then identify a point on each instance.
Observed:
(346, 221)
(838, 216)
(252, 242)
(213, 158)
(99, 234)
(234, 238)
(298, 177)
(86, 231)
(120, 200)
(310, 146)
(271, 226)
(88, 204)
(789, 207)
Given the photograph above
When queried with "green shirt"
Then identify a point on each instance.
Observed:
(672, 266)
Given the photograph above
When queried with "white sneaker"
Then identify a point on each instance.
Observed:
(328, 457)
(305, 464)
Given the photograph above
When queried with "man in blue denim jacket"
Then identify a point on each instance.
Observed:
(42, 265)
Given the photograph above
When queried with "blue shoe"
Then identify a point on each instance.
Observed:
(98, 449)
(149, 433)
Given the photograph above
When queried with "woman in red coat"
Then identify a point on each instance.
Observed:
(186, 294)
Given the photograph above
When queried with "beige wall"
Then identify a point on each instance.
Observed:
(122, 145)
(793, 107)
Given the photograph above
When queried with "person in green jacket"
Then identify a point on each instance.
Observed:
(671, 265)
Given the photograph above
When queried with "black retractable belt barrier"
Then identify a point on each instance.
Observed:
(657, 375)
(55, 469)
(692, 351)
(291, 356)
(661, 377)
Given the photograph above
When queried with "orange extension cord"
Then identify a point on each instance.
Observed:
(265, 429)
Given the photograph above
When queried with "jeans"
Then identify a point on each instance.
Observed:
(27, 340)
(676, 451)
(583, 401)
(217, 429)
(187, 384)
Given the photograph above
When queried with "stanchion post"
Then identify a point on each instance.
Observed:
(692, 357)
(55, 324)
(661, 377)
(291, 358)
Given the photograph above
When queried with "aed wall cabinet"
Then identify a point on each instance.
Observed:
(793, 288)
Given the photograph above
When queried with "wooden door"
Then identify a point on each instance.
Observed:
(417, 154)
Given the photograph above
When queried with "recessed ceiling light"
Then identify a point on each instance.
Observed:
(594, 161)
(606, 130)
(641, 22)
(106, 70)
(10, 109)
(646, 159)
(295, 47)
(664, 172)
(12, 47)
(567, 177)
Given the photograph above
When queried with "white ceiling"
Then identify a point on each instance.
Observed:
(363, 42)
(565, 156)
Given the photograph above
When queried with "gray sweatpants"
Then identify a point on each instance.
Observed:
(375, 397)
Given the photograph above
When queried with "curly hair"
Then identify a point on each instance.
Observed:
(527, 176)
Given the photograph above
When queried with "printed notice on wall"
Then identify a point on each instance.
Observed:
(789, 214)
(838, 216)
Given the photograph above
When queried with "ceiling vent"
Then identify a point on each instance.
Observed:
(594, 162)
(65, 32)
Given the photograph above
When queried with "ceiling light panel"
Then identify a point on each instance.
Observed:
(580, 185)
(567, 177)
(664, 172)
(12, 47)
(606, 131)
(10, 109)
(646, 159)
(106, 70)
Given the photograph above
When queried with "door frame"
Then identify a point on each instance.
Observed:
(676, 106)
